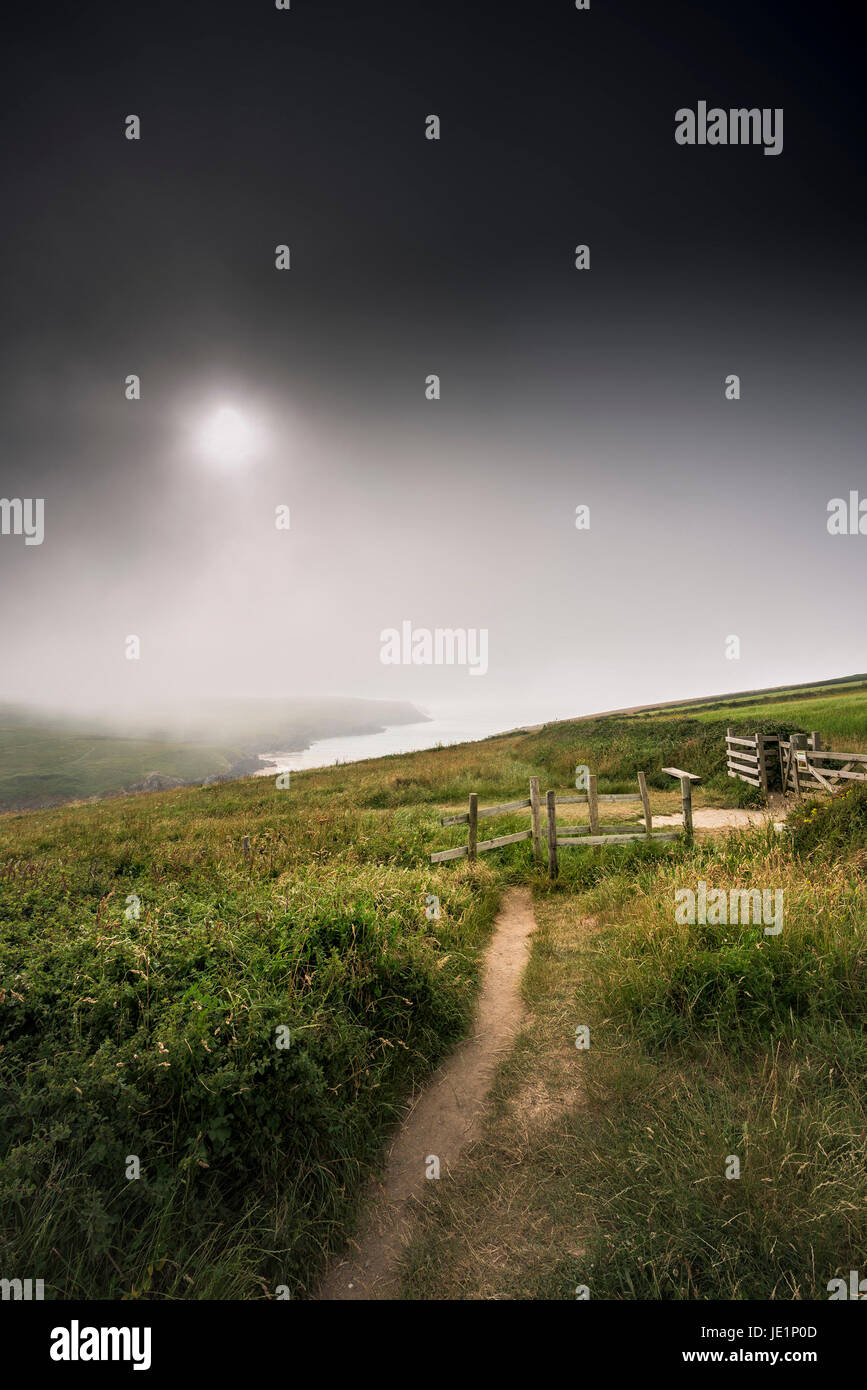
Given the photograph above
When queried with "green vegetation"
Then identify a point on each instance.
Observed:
(48, 759)
(842, 720)
(156, 1035)
(45, 767)
(607, 1168)
(842, 685)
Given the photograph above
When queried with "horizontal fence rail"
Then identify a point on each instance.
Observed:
(592, 833)
(481, 846)
(487, 811)
(611, 838)
(754, 760)
(797, 763)
(805, 769)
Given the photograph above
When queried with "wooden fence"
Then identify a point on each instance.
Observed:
(755, 759)
(805, 771)
(796, 764)
(593, 833)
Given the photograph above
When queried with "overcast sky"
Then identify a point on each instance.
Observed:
(559, 387)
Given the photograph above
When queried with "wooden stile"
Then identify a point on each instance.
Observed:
(747, 758)
(686, 803)
(686, 780)
(756, 760)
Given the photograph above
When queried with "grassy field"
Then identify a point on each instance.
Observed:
(248, 1029)
(41, 767)
(842, 720)
(844, 685)
(607, 1168)
(47, 759)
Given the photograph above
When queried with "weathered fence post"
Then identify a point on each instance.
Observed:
(551, 806)
(815, 741)
(760, 754)
(593, 804)
(536, 816)
(795, 743)
(686, 803)
(645, 800)
(473, 827)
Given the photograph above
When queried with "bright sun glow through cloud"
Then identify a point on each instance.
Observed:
(228, 438)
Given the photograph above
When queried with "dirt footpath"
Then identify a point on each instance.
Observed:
(446, 1115)
(719, 818)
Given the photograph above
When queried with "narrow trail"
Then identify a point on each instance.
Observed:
(723, 818)
(447, 1114)
(446, 1117)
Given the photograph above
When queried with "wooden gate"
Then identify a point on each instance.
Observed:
(754, 759)
(808, 768)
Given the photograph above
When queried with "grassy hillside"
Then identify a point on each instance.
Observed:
(43, 767)
(47, 759)
(611, 1168)
(842, 685)
(157, 1036)
(841, 719)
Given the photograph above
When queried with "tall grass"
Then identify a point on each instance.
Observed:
(738, 1044)
(707, 1044)
(155, 1036)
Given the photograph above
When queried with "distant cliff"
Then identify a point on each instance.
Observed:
(50, 758)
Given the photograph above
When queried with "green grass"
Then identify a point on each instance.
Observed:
(43, 767)
(844, 685)
(156, 1036)
(705, 1043)
(842, 721)
(47, 759)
